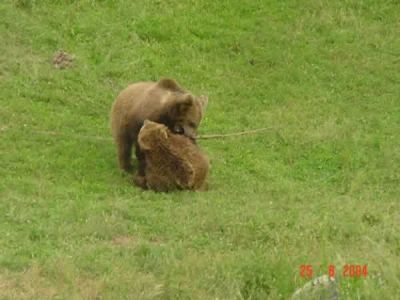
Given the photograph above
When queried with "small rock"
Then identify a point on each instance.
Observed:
(321, 288)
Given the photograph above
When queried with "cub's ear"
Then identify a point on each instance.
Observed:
(203, 101)
(181, 105)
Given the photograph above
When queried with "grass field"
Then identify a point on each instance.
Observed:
(322, 187)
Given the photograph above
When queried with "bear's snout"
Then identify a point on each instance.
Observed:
(191, 134)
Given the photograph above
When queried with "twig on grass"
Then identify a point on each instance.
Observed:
(246, 132)
(100, 138)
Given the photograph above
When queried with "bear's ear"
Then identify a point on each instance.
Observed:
(182, 105)
(160, 133)
(203, 101)
(169, 84)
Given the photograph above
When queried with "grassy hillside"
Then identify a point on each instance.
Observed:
(321, 188)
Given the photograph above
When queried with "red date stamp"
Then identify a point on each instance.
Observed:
(355, 271)
(348, 270)
(306, 271)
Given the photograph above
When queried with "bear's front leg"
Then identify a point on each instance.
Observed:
(124, 145)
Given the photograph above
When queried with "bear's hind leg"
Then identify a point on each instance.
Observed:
(140, 181)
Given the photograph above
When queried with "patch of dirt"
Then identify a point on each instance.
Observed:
(63, 60)
(157, 240)
(127, 241)
(90, 288)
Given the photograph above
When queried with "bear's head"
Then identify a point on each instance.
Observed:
(152, 134)
(185, 114)
(181, 111)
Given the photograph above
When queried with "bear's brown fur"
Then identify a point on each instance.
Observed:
(163, 102)
(173, 162)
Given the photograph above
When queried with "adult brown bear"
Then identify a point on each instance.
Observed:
(173, 162)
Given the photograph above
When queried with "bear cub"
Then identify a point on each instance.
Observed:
(173, 161)
(163, 102)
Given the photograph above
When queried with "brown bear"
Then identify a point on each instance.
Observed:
(173, 161)
(164, 102)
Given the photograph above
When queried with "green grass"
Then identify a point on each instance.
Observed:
(323, 188)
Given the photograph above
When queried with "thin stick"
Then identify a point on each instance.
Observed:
(100, 138)
(246, 132)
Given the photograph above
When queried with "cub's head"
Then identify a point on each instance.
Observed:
(151, 134)
(185, 113)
